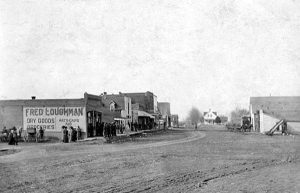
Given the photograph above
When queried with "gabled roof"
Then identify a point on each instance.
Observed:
(106, 102)
(282, 107)
(111, 101)
(215, 113)
(117, 99)
(210, 115)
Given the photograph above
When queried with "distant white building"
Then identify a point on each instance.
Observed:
(209, 117)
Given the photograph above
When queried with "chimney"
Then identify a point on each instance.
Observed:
(33, 97)
(120, 93)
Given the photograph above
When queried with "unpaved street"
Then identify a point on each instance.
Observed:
(208, 160)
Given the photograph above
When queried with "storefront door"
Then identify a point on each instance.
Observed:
(93, 122)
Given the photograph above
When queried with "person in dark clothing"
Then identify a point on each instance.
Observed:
(101, 129)
(15, 136)
(284, 128)
(90, 130)
(72, 134)
(121, 128)
(135, 126)
(97, 129)
(65, 133)
(41, 132)
(10, 138)
(78, 133)
(109, 130)
(62, 133)
(114, 128)
(105, 130)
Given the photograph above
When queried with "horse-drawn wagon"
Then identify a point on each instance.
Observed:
(33, 134)
(244, 126)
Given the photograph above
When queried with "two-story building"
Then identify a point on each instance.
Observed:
(121, 104)
(144, 112)
(209, 117)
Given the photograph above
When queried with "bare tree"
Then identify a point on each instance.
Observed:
(224, 119)
(237, 114)
(195, 116)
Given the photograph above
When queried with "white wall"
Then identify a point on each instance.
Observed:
(252, 118)
(127, 107)
(155, 103)
(294, 127)
(268, 122)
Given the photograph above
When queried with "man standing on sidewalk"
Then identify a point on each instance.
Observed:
(15, 136)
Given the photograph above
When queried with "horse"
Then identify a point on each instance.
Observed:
(19, 133)
(3, 137)
(24, 134)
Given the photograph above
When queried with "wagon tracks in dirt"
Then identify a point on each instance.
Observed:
(37, 152)
(123, 172)
(189, 180)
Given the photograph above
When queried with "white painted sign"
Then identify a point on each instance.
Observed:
(53, 118)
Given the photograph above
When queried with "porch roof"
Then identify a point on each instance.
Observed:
(143, 114)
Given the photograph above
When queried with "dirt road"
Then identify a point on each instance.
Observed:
(212, 160)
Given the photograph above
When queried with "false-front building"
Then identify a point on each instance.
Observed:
(52, 114)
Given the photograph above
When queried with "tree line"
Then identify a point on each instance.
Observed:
(195, 116)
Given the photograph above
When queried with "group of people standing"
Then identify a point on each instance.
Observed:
(105, 129)
(11, 135)
(14, 135)
(110, 129)
(143, 126)
(70, 134)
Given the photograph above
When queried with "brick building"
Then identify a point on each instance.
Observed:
(147, 101)
(144, 109)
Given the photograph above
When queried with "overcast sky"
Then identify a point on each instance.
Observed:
(209, 54)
